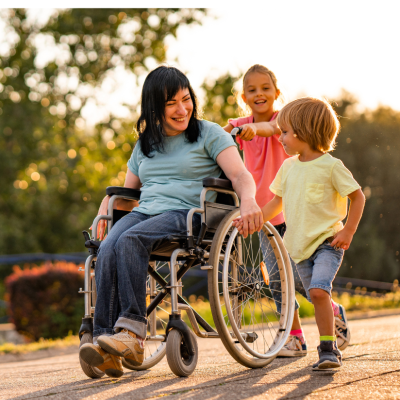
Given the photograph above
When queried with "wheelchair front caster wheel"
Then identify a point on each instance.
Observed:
(180, 362)
(91, 372)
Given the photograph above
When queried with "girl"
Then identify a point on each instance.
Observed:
(264, 155)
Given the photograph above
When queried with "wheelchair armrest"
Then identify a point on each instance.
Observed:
(123, 191)
(217, 183)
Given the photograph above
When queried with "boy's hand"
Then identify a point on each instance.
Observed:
(342, 239)
(248, 132)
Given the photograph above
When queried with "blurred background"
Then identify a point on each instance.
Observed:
(70, 83)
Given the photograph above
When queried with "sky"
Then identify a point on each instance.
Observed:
(315, 48)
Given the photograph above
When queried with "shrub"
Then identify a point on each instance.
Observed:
(44, 301)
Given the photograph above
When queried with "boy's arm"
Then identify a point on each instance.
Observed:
(345, 236)
(272, 208)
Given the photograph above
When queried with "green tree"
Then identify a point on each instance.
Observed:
(220, 103)
(54, 170)
(368, 145)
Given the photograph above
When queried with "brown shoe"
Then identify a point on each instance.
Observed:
(95, 356)
(124, 344)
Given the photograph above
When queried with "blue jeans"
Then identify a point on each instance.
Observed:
(273, 271)
(121, 268)
(319, 271)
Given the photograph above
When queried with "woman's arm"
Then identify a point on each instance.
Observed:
(131, 181)
(243, 183)
(269, 211)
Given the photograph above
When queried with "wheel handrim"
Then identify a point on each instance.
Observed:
(247, 302)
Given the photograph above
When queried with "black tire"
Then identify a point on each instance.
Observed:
(253, 292)
(91, 372)
(181, 363)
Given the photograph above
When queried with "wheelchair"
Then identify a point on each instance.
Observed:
(240, 287)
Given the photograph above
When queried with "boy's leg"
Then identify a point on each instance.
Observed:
(326, 262)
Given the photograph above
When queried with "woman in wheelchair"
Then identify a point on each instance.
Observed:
(174, 152)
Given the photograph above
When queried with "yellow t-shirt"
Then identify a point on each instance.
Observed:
(314, 200)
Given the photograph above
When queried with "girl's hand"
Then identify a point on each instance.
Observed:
(342, 239)
(248, 132)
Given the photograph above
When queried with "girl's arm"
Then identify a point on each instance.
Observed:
(269, 211)
(228, 128)
(262, 129)
(345, 236)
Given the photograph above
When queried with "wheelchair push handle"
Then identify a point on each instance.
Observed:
(237, 131)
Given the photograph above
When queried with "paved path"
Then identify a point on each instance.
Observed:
(371, 370)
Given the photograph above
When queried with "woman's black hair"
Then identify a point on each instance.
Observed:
(160, 86)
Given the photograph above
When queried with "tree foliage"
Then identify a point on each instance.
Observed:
(54, 168)
(55, 164)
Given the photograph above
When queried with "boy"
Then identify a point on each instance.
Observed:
(312, 189)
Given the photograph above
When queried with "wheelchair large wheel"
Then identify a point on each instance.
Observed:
(157, 323)
(242, 291)
(91, 372)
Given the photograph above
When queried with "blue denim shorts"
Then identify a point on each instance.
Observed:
(319, 271)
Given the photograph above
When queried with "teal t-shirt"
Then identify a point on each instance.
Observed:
(173, 179)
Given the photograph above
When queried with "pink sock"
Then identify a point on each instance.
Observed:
(335, 308)
(299, 333)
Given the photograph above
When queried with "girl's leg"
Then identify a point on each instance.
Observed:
(273, 270)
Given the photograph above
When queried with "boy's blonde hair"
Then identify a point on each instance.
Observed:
(314, 121)
(244, 108)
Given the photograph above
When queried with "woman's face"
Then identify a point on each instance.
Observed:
(177, 113)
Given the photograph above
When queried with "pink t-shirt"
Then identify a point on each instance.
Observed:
(263, 158)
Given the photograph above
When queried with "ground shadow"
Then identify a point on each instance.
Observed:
(243, 384)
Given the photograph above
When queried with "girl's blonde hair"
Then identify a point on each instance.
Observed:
(244, 109)
(314, 121)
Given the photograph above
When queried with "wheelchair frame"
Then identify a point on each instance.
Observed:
(192, 250)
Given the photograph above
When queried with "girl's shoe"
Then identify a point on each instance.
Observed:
(330, 357)
(124, 344)
(293, 348)
(95, 356)
(342, 329)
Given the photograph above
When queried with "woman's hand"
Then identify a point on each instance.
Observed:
(248, 132)
(238, 223)
(101, 227)
(251, 217)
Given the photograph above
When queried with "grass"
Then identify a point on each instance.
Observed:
(350, 302)
(42, 344)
